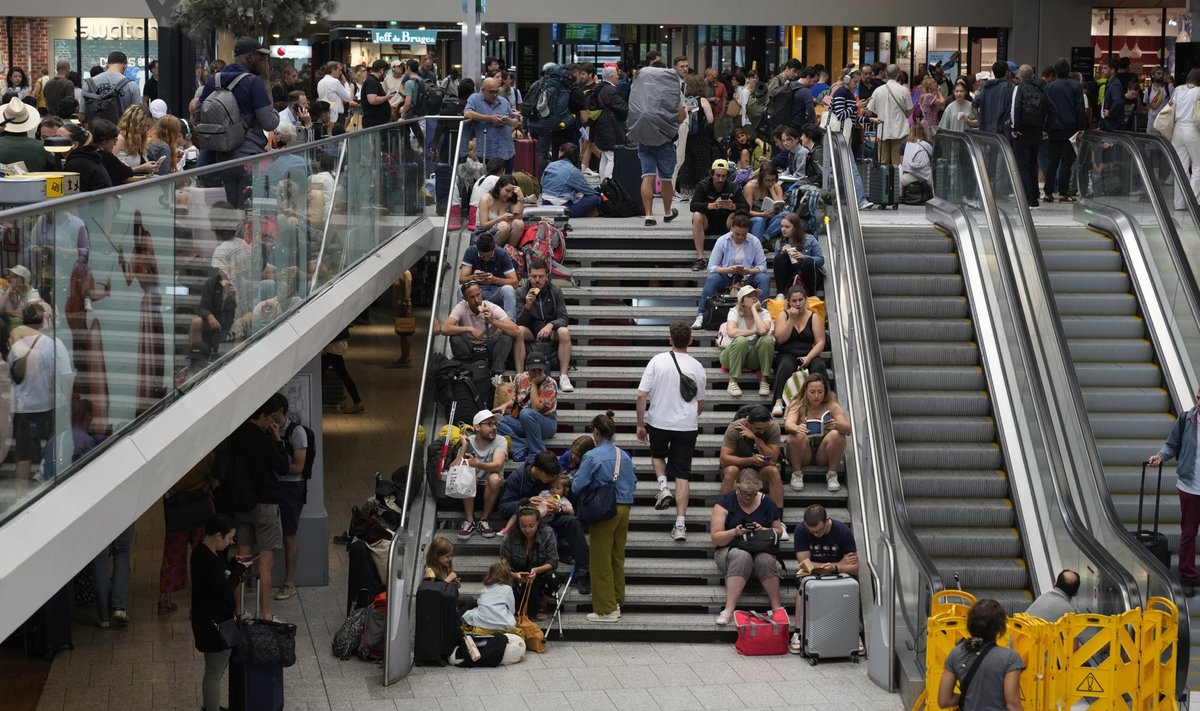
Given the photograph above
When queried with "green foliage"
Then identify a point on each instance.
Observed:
(249, 18)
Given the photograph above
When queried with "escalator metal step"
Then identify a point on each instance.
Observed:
(938, 513)
(1089, 282)
(906, 263)
(957, 428)
(1109, 349)
(959, 455)
(925, 329)
(1133, 375)
(920, 307)
(928, 353)
(956, 483)
(1075, 304)
(1110, 326)
(917, 285)
(1085, 260)
(985, 572)
(953, 402)
(1119, 399)
(934, 377)
(971, 542)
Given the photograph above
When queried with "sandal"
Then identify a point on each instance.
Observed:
(723, 618)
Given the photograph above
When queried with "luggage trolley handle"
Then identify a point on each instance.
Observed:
(1157, 496)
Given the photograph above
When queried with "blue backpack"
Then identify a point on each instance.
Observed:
(547, 105)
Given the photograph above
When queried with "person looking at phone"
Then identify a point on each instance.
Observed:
(215, 579)
(740, 516)
(489, 266)
(823, 547)
(376, 109)
(297, 113)
(714, 201)
(735, 259)
(753, 442)
(500, 211)
(532, 553)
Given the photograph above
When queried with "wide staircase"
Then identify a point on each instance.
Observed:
(951, 464)
(633, 282)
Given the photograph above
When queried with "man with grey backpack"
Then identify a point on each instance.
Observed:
(234, 115)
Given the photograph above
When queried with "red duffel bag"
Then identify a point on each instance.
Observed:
(761, 633)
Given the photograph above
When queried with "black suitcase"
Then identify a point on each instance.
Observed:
(441, 186)
(437, 624)
(363, 583)
(883, 185)
(627, 172)
(1154, 541)
(406, 190)
(49, 629)
(255, 688)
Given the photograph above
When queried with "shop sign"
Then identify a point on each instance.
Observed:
(291, 51)
(394, 36)
(102, 29)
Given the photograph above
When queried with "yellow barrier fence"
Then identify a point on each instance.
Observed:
(1094, 662)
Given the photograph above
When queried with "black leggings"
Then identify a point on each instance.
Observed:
(544, 585)
(338, 363)
(785, 367)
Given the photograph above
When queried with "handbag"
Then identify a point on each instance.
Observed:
(353, 122)
(460, 480)
(230, 632)
(535, 640)
(733, 109)
(187, 510)
(687, 384)
(405, 325)
(1164, 122)
(716, 310)
(598, 502)
(760, 540)
(266, 643)
(20, 365)
(723, 338)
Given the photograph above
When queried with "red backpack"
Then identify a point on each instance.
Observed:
(542, 241)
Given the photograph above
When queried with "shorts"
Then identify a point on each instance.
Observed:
(260, 527)
(657, 159)
(717, 222)
(675, 447)
(737, 563)
(293, 495)
(32, 430)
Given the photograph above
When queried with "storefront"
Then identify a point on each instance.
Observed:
(1147, 37)
(87, 41)
(360, 46)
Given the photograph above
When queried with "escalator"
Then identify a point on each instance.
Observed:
(951, 464)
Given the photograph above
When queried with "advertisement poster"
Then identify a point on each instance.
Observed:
(947, 60)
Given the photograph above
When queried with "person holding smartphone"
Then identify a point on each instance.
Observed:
(753, 442)
(714, 200)
(214, 579)
(737, 518)
(376, 109)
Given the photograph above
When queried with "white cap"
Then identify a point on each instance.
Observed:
(483, 416)
(158, 109)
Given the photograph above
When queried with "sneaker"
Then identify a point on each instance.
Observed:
(120, 617)
(734, 389)
(664, 500)
(1068, 198)
(519, 455)
(798, 481)
(286, 592)
(699, 322)
(784, 537)
(588, 171)
(831, 482)
(565, 384)
(672, 216)
(679, 532)
(1048, 198)
(777, 411)
(700, 264)
(723, 618)
(796, 644)
(485, 529)
(103, 624)
(866, 205)
(650, 222)
(466, 530)
(764, 389)
(1034, 205)
(614, 616)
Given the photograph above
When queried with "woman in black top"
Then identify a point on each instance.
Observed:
(85, 159)
(104, 138)
(214, 578)
(532, 552)
(799, 341)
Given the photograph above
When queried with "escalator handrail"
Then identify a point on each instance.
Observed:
(892, 518)
(1018, 253)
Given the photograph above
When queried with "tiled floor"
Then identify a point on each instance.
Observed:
(152, 664)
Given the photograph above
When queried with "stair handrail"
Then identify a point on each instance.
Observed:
(908, 568)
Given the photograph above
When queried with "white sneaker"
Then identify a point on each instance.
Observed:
(764, 389)
(664, 500)
(679, 532)
(831, 482)
(87, 304)
(777, 411)
(564, 384)
(614, 616)
(794, 647)
(698, 322)
(784, 537)
(798, 481)
(734, 389)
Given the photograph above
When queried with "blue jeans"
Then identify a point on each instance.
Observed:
(858, 186)
(112, 584)
(721, 282)
(529, 431)
(762, 228)
(506, 294)
(583, 205)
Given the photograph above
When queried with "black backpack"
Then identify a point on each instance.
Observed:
(432, 98)
(106, 105)
(779, 108)
(235, 488)
(1034, 107)
(310, 455)
(615, 202)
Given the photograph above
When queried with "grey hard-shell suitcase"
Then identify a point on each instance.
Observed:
(831, 621)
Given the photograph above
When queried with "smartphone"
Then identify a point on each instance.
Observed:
(767, 457)
(751, 526)
(161, 160)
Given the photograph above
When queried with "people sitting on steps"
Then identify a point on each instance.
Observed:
(747, 343)
(817, 432)
(753, 442)
(485, 452)
(535, 399)
(741, 519)
(823, 547)
(479, 330)
(713, 203)
(542, 319)
(735, 259)
(499, 213)
(798, 256)
(564, 184)
(531, 551)
(799, 341)
(489, 266)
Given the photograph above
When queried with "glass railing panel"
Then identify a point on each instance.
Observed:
(149, 286)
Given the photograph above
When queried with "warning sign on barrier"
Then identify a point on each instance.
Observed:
(1090, 685)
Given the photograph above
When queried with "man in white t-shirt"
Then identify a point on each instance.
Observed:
(668, 421)
(293, 491)
(332, 88)
(486, 452)
(45, 362)
(474, 322)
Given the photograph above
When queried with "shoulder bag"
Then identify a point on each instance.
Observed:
(20, 365)
(965, 682)
(687, 384)
(760, 540)
(598, 502)
(266, 643)
(1164, 122)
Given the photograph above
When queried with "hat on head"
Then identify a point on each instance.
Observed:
(747, 290)
(537, 361)
(19, 117)
(482, 416)
(759, 413)
(21, 271)
(249, 45)
(1012, 67)
(158, 109)
(379, 64)
(720, 164)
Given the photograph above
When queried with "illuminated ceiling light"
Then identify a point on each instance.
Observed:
(421, 27)
(275, 36)
(359, 26)
(312, 22)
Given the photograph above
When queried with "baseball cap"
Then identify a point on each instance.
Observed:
(720, 164)
(485, 415)
(22, 272)
(759, 413)
(536, 361)
(158, 109)
(248, 45)
(379, 64)
(746, 291)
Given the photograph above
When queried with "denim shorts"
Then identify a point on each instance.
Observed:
(657, 159)
(292, 497)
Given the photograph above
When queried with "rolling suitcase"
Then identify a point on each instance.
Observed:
(1154, 541)
(831, 621)
(883, 185)
(526, 159)
(437, 624)
(254, 687)
(441, 186)
(627, 172)
(49, 629)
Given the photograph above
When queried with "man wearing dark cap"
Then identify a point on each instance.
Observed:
(753, 442)
(258, 115)
(536, 394)
(110, 81)
(375, 108)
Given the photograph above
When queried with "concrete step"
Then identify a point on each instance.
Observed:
(677, 257)
(715, 394)
(582, 313)
(711, 597)
(638, 274)
(642, 516)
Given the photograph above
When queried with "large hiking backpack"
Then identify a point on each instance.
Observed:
(547, 105)
(310, 455)
(432, 99)
(1034, 107)
(546, 242)
(235, 487)
(779, 108)
(805, 201)
(105, 105)
(219, 125)
(757, 105)
(615, 202)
